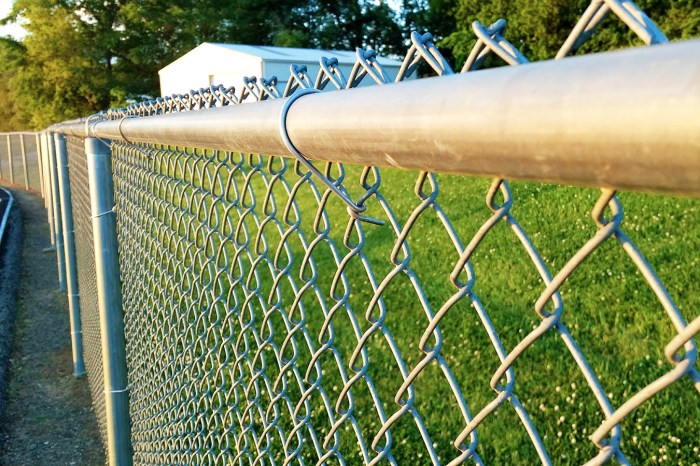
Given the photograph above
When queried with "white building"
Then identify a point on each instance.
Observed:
(227, 64)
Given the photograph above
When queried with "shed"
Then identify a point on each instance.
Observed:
(227, 64)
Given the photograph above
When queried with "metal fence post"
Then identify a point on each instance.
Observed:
(56, 204)
(40, 166)
(76, 333)
(9, 159)
(48, 201)
(109, 299)
(24, 161)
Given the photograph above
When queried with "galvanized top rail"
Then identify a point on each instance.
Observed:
(626, 119)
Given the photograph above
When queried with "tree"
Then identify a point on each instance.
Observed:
(539, 28)
(344, 25)
(434, 16)
(56, 79)
(12, 56)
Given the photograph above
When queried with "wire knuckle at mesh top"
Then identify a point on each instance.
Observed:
(256, 307)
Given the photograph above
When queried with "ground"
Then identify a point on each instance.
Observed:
(47, 418)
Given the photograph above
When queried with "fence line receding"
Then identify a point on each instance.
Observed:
(289, 297)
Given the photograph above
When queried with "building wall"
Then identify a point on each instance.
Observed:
(207, 65)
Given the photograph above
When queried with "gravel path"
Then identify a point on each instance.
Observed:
(48, 418)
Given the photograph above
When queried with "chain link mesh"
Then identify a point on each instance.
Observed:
(267, 324)
(19, 159)
(85, 256)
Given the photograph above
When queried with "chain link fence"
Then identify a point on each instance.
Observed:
(19, 159)
(85, 255)
(278, 311)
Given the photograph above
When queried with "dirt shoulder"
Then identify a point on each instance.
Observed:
(47, 418)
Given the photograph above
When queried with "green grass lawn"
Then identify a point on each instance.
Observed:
(608, 308)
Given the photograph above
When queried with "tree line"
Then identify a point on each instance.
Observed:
(82, 56)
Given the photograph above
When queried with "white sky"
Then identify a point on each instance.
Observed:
(13, 30)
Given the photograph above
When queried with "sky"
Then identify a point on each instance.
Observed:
(13, 30)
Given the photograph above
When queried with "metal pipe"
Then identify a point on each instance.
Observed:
(76, 333)
(48, 200)
(625, 119)
(57, 220)
(9, 159)
(47, 171)
(40, 165)
(109, 300)
(24, 161)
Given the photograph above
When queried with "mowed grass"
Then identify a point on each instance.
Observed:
(609, 309)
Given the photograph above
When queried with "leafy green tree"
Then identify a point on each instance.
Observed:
(56, 79)
(539, 28)
(382, 30)
(12, 116)
(344, 25)
(434, 16)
